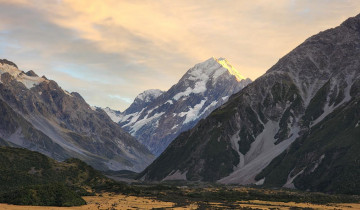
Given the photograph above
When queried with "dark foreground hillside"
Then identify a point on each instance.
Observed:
(30, 178)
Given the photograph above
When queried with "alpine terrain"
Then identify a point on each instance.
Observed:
(155, 118)
(297, 126)
(39, 115)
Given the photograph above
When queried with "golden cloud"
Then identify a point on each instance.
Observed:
(168, 37)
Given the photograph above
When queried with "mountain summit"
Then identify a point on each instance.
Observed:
(202, 89)
(224, 63)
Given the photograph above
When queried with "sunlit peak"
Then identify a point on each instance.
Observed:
(230, 68)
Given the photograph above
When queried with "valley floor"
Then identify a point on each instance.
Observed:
(118, 201)
(107, 201)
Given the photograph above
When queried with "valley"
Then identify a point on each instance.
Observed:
(215, 139)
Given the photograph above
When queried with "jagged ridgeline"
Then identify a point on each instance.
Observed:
(37, 114)
(297, 126)
(30, 178)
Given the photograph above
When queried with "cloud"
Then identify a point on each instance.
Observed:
(124, 99)
(107, 48)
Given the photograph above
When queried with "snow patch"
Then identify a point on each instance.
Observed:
(264, 142)
(139, 124)
(201, 73)
(261, 152)
(328, 109)
(225, 98)
(260, 182)
(289, 183)
(114, 115)
(174, 127)
(349, 80)
(218, 73)
(151, 110)
(214, 103)
(234, 140)
(177, 175)
(67, 93)
(192, 114)
(317, 163)
(134, 117)
(12, 70)
(200, 87)
(28, 81)
(149, 95)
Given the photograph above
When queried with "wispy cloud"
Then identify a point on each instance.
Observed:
(121, 98)
(110, 50)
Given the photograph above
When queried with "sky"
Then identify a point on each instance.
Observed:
(109, 51)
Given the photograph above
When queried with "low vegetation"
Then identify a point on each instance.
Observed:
(43, 195)
(203, 194)
(30, 178)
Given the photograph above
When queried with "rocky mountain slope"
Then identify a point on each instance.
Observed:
(156, 118)
(39, 115)
(296, 126)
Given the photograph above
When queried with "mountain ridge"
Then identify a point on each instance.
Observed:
(39, 110)
(243, 137)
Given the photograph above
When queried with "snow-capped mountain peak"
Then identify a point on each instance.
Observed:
(224, 63)
(26, 78)
(202, 89)
(149, 95)
(211, 69)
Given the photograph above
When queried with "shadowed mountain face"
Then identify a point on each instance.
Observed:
(156, 118)
(296, 126)
(39, 115)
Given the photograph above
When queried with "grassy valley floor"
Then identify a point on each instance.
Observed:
(113, 201)
(108, 201)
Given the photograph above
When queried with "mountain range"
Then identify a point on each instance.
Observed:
(39, 115)
(297, 126)
(155, 117)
